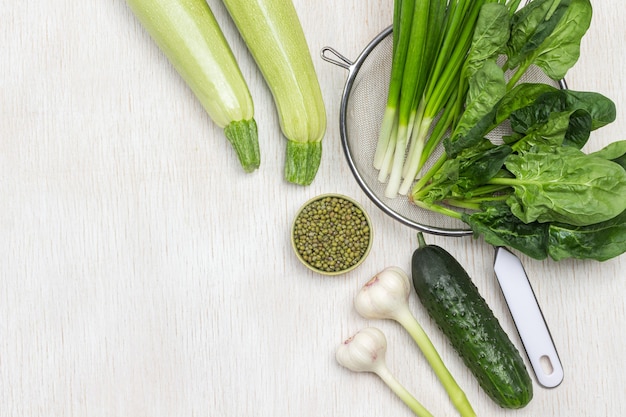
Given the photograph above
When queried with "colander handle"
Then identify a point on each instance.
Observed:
(336, 58)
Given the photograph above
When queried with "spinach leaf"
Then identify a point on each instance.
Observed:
(547, 33)
(482, 167)
(490, 37)
(565, 185)
(560, 51)
(500, 227)
(486, 87)
(530, 26)
(561, 117)
(479, 169)
(601, 109)
(520, 96)
(612, 151)
(470, 169)
(570, 128)
(524, 119)
(621, 161)
(599, 241)
(578, 130)
(615, 152)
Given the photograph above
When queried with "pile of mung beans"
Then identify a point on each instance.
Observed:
(331, 234)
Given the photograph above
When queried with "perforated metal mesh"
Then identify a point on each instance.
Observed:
(362, 110)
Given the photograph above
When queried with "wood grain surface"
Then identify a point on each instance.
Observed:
(143, 273)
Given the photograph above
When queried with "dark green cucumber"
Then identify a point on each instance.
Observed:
(454, 303)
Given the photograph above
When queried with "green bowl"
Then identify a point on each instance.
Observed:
(334, 239)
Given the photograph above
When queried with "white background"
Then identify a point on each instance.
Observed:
(142, 273)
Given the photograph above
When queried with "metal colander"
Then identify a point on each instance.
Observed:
(362, 108)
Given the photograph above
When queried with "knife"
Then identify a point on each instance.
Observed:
(528, 318)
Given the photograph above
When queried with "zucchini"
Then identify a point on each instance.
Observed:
(454, 303)
(188, 34)
(274, 36)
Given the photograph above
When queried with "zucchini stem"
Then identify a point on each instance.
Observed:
(243, 137)
(302, 161)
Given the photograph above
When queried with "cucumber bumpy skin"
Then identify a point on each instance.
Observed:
(454, 303)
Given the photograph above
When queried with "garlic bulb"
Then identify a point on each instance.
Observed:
(365, 352)
(385, 296)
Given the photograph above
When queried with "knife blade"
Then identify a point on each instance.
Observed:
(528, 318)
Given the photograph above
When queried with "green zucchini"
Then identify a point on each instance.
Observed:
(454, 303)
(274, 36)
(189, 36)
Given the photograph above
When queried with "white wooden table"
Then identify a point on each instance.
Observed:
(143, 273)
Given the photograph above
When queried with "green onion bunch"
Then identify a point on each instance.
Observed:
(431, 43)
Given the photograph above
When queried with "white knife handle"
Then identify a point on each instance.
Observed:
(529, 320)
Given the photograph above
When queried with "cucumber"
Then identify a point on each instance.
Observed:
(454, 303)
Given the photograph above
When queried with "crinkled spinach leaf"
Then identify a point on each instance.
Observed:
(500, 227)
(519, 97)
(564, 184)
(547, 33)
(613, 151)
(578, 129)
(600, 108)
(569, 128)
(561, 118)
(561, 50)
(530, 26)
(599, 241)
(490, 37)
(486, 88)
(470, 169)
(522, 95)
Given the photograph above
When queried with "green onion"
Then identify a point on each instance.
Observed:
(428, 84)
(403, 16)
(414, 78)
(444, 83)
